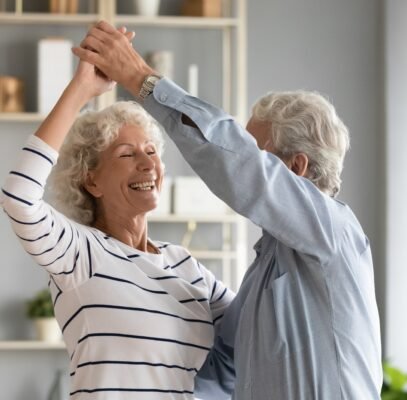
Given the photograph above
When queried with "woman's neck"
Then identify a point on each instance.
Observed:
(132, 232)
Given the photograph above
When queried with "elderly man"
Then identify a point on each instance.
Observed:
(304, 324)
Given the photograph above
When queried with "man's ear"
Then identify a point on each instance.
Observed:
(91, 186)
(298, 163)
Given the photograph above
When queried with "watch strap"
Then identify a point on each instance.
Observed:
(148, 85)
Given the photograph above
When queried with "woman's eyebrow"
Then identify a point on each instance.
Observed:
(132, 145)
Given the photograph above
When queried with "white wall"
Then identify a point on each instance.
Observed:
(334, 47)
(396, 127)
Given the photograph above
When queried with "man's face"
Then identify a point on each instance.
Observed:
(260, 131)
(298, 163)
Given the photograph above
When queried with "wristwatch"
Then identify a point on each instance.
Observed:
(148, 85)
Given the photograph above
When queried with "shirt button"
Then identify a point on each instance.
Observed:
(163, 97)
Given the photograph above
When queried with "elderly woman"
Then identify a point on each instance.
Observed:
(137, 315)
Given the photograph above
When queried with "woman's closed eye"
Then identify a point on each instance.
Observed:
(148, 152)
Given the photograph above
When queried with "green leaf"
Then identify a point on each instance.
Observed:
(395, 378)
(40, 305)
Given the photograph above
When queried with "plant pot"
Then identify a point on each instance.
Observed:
(147, 8)
(47, 329)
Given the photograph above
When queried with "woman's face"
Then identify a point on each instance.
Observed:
(128, 178)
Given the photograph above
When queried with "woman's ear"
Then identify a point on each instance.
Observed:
(298, 163)
(91, 186)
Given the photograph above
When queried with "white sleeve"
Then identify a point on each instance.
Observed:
(49, 237)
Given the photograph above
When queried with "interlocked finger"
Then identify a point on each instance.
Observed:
(91, 43)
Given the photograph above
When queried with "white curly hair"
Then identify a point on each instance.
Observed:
(92, 133)
(306, 122)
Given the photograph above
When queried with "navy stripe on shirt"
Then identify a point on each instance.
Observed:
(161, 278)
(62, 255)
(25, 177)
(12, 196)
(51, 248)
(38, 238)
(39, 154)
(170, 366)
(139, 309)
(197, 280)
(89, 257)
(71, 270)
(192, 299)
(130, 282)
(180, 262)
(130, 390)
(153, 338)
(110, 252)
(27, 223)
(221, 296)
(213, 289)
(217, 319)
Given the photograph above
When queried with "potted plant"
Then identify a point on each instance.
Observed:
(394, 383)
(41, 310)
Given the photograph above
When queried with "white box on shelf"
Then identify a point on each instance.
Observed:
(55, 70)
(192, 196)
(164, 203)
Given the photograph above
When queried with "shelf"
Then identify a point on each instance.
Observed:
(21, 117)
(83, 19)
(201, 218)
(30, 345)
(48, 18)
(176, 22)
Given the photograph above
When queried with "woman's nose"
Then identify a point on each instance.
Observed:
(145, 163)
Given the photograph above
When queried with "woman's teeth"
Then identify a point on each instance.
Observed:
(144, 186)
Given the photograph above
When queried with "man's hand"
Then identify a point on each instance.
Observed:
(110, 51)
(89, 81)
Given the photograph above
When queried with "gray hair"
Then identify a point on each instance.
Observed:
(305, 122)
(91, 134)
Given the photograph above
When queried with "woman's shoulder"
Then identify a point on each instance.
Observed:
(168, 248)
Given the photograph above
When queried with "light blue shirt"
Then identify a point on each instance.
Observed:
(304, 324)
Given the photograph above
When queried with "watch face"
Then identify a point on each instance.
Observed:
(153, 79)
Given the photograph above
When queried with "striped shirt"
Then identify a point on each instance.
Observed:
(136, 325)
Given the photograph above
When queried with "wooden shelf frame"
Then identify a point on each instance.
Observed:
(30, 345)
(234, 43)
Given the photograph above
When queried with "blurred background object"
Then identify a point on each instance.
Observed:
(11, 94)
(63, 6)
(202, 8)
(147, 8)
(55, 69)
(162, 62)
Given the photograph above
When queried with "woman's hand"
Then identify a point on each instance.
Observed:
(90, 80)
(110, 51)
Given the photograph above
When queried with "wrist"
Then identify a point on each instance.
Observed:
(148, 85)
(79, 92)
(136, 81)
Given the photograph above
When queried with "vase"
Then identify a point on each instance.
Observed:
(147, 8)
(48, 330)
(11, 94)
